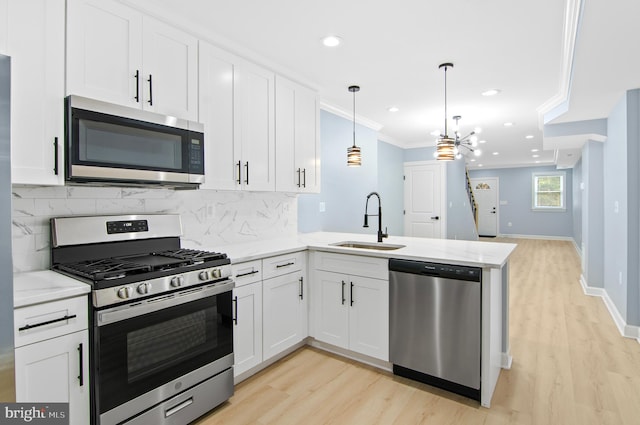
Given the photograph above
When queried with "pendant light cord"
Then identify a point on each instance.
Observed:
(354, 118)
(446, 133)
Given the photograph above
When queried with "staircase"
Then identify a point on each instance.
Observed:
(472, 199)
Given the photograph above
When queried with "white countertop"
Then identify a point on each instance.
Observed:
(473, 253)
(45, 286)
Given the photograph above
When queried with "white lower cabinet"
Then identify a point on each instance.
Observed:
(285, 312)
(351, 303)
(247, 333)
(352, 312)
(52, 356)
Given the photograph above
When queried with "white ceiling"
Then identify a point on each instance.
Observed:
(392, 51)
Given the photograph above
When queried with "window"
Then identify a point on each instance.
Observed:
(548, 191)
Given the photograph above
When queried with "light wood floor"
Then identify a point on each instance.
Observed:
(570, 366)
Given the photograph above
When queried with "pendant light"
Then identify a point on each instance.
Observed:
(354, 157)
(446, 145)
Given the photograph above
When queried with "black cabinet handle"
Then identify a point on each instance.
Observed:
(55, 156)
(247, 170)
(235, 303)
(137, 77)
(150, 80)
(81, 364)
(239, 172)
(48, 322)
(304, 177)
(301, 286)
(343, 300)
(285, 265)
(247, 273)
(351, 294)
(298, 177)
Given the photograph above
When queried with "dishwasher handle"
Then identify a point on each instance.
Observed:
(448, 271)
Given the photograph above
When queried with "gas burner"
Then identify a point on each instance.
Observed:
(193, 255)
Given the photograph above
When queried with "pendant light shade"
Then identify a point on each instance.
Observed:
(354, 155)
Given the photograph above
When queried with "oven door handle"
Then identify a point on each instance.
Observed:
(124, 312)
(178, 408)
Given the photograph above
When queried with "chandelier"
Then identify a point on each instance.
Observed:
(447, 147)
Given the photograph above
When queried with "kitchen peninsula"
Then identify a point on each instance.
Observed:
(491, 257)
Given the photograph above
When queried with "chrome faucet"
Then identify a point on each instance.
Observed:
(379, 215)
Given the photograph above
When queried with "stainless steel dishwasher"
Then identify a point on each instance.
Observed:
(435, 324)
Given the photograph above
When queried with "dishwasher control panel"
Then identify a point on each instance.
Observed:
(448, 271)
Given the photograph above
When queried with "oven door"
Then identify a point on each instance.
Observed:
(149, 351)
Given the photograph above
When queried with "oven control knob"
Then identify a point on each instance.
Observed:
(124, 292)
(204, 275)
(216, 273)
(177, 281)
(143, 288)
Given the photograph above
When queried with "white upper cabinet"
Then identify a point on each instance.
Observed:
(35, 41)
(4, 20)
(237, 110)
(297, 139)
(117, 55)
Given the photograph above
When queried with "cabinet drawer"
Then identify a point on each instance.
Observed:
(49, 320)
(282, 264)
(247, 272)
(377, 268)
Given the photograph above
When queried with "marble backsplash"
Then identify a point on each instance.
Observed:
(209, 218)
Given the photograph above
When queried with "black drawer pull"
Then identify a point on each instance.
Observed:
(247, 274)
(284, 265)
(48, 322)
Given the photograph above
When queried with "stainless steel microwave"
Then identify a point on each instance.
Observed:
(109, 144)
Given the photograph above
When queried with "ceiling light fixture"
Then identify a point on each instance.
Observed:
(354, 157)
(529, 136)
(393, 109)
(331, 41)
(448, 148)
(508, 124)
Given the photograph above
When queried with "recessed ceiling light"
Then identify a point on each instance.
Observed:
(482, 141)
(529, 136)
(508, 124)
(479, 165)
(393, 109)
(490, 92)
(537, 162)
(496, 153)
(472, 160)
(534, 150)
(332, 41)
(536, 156)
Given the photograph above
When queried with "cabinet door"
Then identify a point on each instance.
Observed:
(50, 371)
(247, 333)
(331, 308)
(4, 24)
(254, 126)
(35, 41)
(170, 64)
(369, 317)
(104, 52)
(283, 313)
(297, 146)
(216, 73)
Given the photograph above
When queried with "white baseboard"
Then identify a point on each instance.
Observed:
(628, 331)
(380, 364)
(506, 360)
(551, 238)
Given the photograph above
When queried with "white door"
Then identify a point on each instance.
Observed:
(486, 195)
(423, 213)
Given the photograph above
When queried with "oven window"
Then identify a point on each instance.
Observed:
(137, 355)
(113, 144)
(165, 344)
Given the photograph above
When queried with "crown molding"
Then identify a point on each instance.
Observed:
(336, 110)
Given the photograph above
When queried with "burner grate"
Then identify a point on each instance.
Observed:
(104, 269)
(193, 255)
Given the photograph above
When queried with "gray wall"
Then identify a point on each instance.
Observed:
(515, 189)
(593, 214)
(344, 189)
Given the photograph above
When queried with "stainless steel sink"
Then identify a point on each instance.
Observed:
(368, 245)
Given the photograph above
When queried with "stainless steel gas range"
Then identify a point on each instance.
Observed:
(162, 321)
